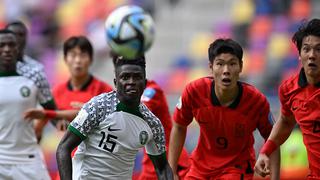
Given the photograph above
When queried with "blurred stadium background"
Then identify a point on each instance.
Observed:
(184, 29)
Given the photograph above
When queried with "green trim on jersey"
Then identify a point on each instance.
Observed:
(76, 132)
(134, 111)
(49, 104)
(12, 73)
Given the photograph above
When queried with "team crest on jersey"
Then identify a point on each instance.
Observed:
(25, 91)
(143, 137)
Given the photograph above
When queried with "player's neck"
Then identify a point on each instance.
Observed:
(78, 82)
(313, 80)
(226, 96)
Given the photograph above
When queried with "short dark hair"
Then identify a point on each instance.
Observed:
(221, 45)
(78, 41)
(6, 31)
(307, 28)
(16, 23)
(120, 60)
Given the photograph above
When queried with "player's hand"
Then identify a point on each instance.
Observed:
(262, 166)
(34, 114)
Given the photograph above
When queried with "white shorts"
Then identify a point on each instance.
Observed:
(33, 171)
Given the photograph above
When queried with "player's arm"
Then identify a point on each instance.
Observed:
(50, 114)
(161, 166)
(279, 134)
(68, 142)
(177, 139)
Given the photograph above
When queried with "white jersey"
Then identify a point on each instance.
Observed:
(112, 135)
(19, 92)
(30, 61)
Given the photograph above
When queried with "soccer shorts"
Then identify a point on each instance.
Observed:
(32, 171)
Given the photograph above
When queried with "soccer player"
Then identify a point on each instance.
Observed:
(111, 128)
(154, 98)
(20, 156)
(300, 102)
(80, 88)
(21, 32)
(227, 111)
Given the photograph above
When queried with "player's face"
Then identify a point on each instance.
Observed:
(21, 35)
(225, 70)
(78, 62)
(8, 51)
(130, 82)
(310, 57)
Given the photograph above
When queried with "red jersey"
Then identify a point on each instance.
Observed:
(226, 133)
(65, 97)
(154, 98)
(301, 100)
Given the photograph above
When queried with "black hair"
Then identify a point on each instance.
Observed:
(307, 28)
(78, 41)
(16, 23)
(6, 31)
(120, 60)
(221, 45)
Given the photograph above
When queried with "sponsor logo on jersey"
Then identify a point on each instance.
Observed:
(148, 94)
(179, 104)
(25, 91)
(143, 137)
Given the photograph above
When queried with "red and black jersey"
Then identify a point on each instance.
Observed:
(226, 133)
(65, 95)
(301, 100)
(154, 98)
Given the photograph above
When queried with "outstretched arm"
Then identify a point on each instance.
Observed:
(279, 134)
(177, 139)
(68, 142)
(161, 165)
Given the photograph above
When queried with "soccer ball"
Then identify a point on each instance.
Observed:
(129, 31)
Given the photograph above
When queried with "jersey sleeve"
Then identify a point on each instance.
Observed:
(156, 145)
(183, 111)
(44, 94)
(284, 101)
(266, 119)
(88, 118)
(150, 98)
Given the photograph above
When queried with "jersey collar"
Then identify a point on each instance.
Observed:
(134, 111)
(12, 73)
(234, 104)
(302, 81)
(84, 86)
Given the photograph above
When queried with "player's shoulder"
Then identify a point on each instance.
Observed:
(200, 84)
(60, 87)
(33, 62)
(289, 84)
(103, 103)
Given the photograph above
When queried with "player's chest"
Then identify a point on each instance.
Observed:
(123, 132)
(306, 106)
(222, 119)
(17, 91)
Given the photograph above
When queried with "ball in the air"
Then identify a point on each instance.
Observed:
(129, 31)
